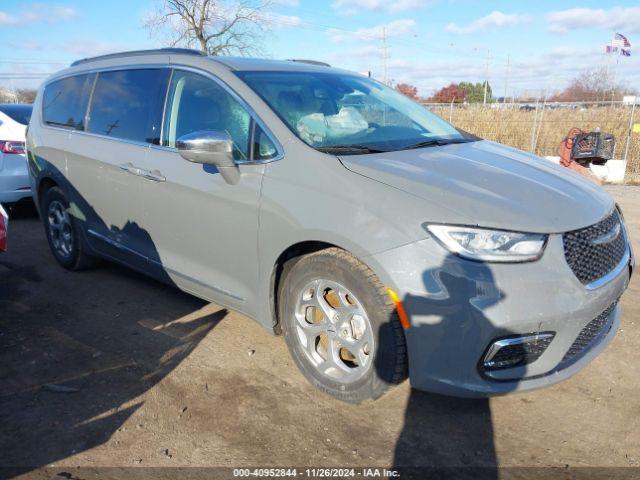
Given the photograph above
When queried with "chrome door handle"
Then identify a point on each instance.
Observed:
(129, 167)
(154, 175)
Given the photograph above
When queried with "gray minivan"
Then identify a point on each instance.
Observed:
(377, 238)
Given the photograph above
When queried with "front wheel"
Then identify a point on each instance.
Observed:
(341, 327)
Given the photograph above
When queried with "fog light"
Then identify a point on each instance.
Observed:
(513, 352)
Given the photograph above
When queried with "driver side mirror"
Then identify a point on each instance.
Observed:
(210, 147)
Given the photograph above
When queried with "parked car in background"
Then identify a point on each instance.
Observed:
(14, 178)
(378, 238)
(4, 227)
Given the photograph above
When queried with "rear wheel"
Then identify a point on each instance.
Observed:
(63, 233)
(341, 327)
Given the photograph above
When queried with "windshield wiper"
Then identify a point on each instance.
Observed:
(355, 149)
(435, 142)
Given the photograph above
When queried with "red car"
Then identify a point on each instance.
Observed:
(4, 225)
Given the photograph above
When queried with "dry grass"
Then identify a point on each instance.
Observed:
(515, 127)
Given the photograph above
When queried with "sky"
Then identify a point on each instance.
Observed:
(522, 48)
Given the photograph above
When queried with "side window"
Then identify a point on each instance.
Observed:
(263, 147)
(127, 104)
(64, 102)
(198, 103)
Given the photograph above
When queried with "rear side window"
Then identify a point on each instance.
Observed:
(18, 113)
(65, 101)
(127, 104)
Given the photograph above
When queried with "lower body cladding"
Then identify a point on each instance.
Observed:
(15, 184)
(480, 329)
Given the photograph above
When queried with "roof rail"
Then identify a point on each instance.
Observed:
(182, 51)
(310, 62)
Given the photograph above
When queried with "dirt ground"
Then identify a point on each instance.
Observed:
(109, 368)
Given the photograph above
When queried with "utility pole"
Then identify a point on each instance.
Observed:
(385, 55)
(486, 77)
(506, 80)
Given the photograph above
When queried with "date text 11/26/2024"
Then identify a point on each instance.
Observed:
(316, 472)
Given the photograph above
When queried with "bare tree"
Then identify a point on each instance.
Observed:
(592, 86)
(217, 27)
(26, 95)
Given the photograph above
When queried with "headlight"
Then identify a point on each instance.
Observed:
(490, 245)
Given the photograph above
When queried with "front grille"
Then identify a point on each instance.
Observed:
(590, 254)
(588, 334)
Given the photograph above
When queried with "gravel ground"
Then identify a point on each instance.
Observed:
(108, 368)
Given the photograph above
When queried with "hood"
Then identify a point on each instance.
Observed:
(489, 185)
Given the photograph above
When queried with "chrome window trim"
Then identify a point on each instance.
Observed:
(112, 139)
(171, 66)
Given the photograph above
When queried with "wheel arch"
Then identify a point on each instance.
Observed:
(296, 250)
(44, 184)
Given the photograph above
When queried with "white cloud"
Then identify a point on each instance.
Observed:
(353, 7)
(283, 21)
(495, 19)
(31, 45)
(617, 18)
(37, 13)
(90, 48)
(396, 28)
(366, 54)
(8, 20)
(287, 3)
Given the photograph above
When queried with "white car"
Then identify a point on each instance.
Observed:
(14, 176)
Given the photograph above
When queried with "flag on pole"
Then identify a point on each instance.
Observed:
(625, 52)
(621, 41)
(612, 49)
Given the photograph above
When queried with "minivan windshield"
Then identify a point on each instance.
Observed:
(346, 114)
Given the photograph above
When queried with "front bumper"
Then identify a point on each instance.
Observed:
(15, 184)
(459, 307)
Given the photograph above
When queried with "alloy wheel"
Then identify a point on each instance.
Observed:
(60, 229)
(334, 330)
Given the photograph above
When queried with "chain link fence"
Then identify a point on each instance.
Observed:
(540, 127)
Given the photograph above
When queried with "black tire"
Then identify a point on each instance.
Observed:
(389, 365)
(77, 258)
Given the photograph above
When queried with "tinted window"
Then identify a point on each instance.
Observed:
(127, 104)
(19, 113)
(65, 101)
(198, 103)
